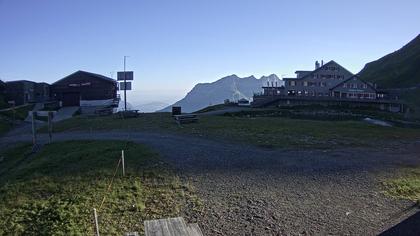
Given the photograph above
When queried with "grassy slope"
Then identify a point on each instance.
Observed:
(20, 113)
(54, 191)
(263, 131)
(6, 117)
(4, 126)
(412, 98)
(407, 186)
(3, 103)
(211, 108)
(400, 69)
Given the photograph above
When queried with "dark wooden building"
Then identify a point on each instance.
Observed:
(83, 86)
(42, 92)
(25, 91)
(2, 86)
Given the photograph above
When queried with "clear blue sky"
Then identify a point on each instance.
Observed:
(175, 44)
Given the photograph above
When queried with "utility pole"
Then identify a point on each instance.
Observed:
(125, 87)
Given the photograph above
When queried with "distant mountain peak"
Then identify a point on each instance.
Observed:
(230, 87)
(272, 76)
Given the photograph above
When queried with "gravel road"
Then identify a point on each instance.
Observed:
(254, 191)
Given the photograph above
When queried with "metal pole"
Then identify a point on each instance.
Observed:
(33, 129)
(125, 88)
(96, 221)
(123, 163)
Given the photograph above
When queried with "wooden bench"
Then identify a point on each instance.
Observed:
(105, 111)
(188, 118)
(129, 114)
(171, 227)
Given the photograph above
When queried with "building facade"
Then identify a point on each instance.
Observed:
(354, 88)
(20, 91)
(327, 85)
(42, 92)
(85, 89)
(316, 83)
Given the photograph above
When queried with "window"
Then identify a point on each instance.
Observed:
(323, 84)
(305, 83)
(292, 83)
(345, 85)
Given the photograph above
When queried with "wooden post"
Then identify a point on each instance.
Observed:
(96, 221)
(14, 113)
(50, 114)
(123, 163)
(33, 128)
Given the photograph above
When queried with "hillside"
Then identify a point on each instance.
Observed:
(400, 69)
(230, 87)
(53, 191)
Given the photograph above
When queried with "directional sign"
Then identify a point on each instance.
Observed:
(127, 86)
(129, 75)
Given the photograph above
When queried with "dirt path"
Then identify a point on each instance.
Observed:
(254, 191)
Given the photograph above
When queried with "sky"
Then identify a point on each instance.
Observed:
(173, 45)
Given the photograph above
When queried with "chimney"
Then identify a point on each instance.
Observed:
(316, 65)
(322, 62)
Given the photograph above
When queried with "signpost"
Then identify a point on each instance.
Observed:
(125, 85)
(125, 75)
(128, 75)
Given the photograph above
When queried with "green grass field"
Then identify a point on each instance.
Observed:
(3, 103)
(4, 126)
(7, 117)
(54, 191)
(261, 131)
(20, 113)
(407, 186)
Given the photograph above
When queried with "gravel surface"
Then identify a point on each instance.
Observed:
(253, 191)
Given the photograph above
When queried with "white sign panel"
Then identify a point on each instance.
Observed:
(127, 86)
(129, 75)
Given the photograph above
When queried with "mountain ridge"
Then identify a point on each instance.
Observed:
(230, 87)
(399, 69)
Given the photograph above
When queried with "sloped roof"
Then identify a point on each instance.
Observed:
(352, 77)
(88, 73)
(320, 68)
(21, 80)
